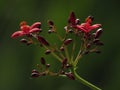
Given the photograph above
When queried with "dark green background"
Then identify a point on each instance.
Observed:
(17, 60)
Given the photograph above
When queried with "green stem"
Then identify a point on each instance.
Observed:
(83, 81)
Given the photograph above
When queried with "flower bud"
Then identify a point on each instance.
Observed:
(70, 76)
(35, 73)
(62, 48)
(42, 40)
(42, 61)
(47, 52)
(64, 62)
(98, 33)
(67, 41)
(50, 31)
(23, 40)
(47, 65)
(51, 23)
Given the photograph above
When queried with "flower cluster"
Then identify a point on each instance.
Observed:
(86, 37)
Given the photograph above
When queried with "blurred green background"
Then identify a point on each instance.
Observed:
(17, 60)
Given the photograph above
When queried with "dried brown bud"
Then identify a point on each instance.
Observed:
(47, 52)
(70, 76)
(98, 33)
(42, 60)
(42, 40)
(67, 41)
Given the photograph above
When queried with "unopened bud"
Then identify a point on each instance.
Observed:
(62, 48)
(42, 61)
(88, 45)
(47, 52)
(42, 40)
(23, 40)
(68, 65)
(70, 76)
(50, 23)
(98, 33)
(47, 65)
(50, 31)
(64, 62)
(35, 73)
(67, 41)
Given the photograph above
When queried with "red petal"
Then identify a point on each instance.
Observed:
(95, 26)
(25, 28)
(34, 30)
(89, 19)
(36, 25)
(17, 34)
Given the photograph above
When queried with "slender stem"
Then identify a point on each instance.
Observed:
(66, 52)
(83, 81)
(72, 52)
(56, 56)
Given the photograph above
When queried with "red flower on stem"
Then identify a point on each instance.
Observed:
(87, 27)
(26, 29)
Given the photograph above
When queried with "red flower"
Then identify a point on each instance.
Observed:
(26, 29)
(87, 27)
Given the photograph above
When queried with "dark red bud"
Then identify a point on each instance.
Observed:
(64, 62)
(68, 65)
(98, 33)
(50, 23)
(67, 41)
(42, 40)
(23, 40)
(88, 45)
(70, 76)
(43, 61)
(72, 19)
(47, 52)
(47, 65)
(62, 48)
(35, 73)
